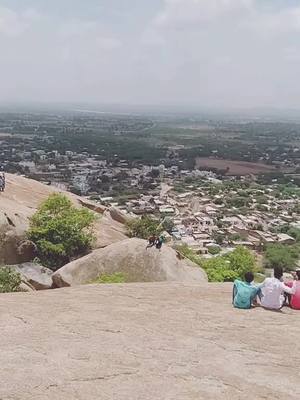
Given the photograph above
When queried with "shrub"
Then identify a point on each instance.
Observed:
(230, 267)
(168, 224)
(279, 255)
(9, 280)
(295, 233)
(61, 231)
(214, 250)
(187, 252)
(219, 270)
(223, 268)
(144, 227)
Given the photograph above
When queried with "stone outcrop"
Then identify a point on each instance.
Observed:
(34, 275)
(131, 258)
(19, 202)
(26, 287)
(118, 216)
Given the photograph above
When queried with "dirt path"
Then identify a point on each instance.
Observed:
(145, 341)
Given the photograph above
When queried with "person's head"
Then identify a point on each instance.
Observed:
(249, 277)
(298, 274)
(278, 272)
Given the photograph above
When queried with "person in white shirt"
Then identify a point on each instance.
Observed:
(273, 289)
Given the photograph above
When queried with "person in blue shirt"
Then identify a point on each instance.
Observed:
(244, 293)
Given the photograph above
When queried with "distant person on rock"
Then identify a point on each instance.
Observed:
(244, 293)
(151, 241)
(2, 181)
(159, 242)
(294, 299)
(273, 290)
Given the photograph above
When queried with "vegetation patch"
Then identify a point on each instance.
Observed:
(61, 231)
(10, 280)
(223, 268)
(110, 278)
(144, 227)
(279, 255)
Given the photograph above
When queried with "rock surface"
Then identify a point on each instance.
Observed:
(131, 258)
(118, 216)
(37, 276)
(155, 341)
(19, 202)
(108, 231)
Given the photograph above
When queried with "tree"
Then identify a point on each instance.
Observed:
(219, 238)
(279, 255)
(168, 224)
(218, 270)
(230, 267)
(223, 268)
(144, 227)
(61, 231)
(154, 173)
(295, 233)
(9, 280)
(241, 260)
(214, 250)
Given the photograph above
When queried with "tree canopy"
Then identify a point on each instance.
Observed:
(144, 227)
(223, 268)
(61, 231)
(279, 255)
(230, 267)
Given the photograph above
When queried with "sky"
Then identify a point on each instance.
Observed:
(203, 53)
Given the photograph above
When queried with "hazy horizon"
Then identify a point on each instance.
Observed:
(198, 54)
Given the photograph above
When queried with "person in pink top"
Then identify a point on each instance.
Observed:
(294, 299)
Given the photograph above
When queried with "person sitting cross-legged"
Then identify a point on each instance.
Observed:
(244, 293)
(273, 290)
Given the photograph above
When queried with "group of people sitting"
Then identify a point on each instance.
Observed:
(156, 241)
(272, 294)
(2, 181)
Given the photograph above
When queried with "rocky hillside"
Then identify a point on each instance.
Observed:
(113, 251)
(19, 202)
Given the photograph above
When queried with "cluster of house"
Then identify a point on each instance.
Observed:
(202, 225)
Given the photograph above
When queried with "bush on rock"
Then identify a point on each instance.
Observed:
(10, 280)
(144, 227)
(61, 231)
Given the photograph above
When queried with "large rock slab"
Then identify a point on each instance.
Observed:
(37, 276)
(131, 258)
(154, 341)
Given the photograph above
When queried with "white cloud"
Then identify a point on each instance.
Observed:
(275, 22)
(14, 24)
(87, 33)
(108, 43)
(179, 12)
